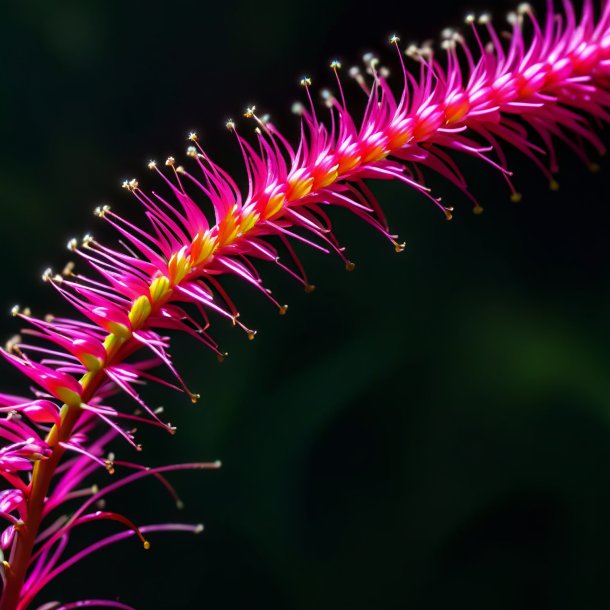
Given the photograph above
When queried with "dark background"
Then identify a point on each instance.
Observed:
(431, 431)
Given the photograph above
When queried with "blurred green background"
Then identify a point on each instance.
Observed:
(431, 431)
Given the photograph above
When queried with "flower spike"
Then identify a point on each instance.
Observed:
(545, 81)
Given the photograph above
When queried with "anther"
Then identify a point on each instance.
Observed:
(146, 545)
(335, 64)
(250, 112)
(152, 164)
(68, 270)
(73, 244)
(394, 39)
(484, 18)
(199, 528)
(195, 398)
(109, 466)
(554, 185)
(297, 108)
(400, 247)
(349, 266)
(15, 310)
(477, 210)
(524, 8)
(306, 81)
(12, 344)
(133, 184)
(87, 240)
(47, 275)
(469, 19)
(230, 125)
(170, 161)
(283, 310)
(309, 288)
(101, 210)
(221, 357)
(191, 151)
(516, 197)
(251, 334)
(193, 136)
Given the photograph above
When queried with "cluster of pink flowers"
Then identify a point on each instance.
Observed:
(547, 83)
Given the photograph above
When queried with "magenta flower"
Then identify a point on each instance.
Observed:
(552, 83)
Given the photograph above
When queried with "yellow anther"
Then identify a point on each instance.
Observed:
(221, 357)
(309, 288)
(47, 275)
(230, 125)
(191, 151)
(146, 545)
(102, 210)
(477, 210)
(195, 398)
(170, 161)
(470, 19)
(306, 81)
(524, 8)
(283, 310)
(73, 244)
(15, 310)
(349, 266)
(251, 334)
(193, 137)
(516, 197)
(249, 112)
(12, 344)
(335, 64)
(68, 269)
(394, 39)
(133, 184)
(152, 164)
(398, 248)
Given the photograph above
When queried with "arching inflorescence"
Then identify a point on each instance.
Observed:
(536, 83)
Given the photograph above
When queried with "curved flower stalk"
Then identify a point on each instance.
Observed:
(535, 84)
